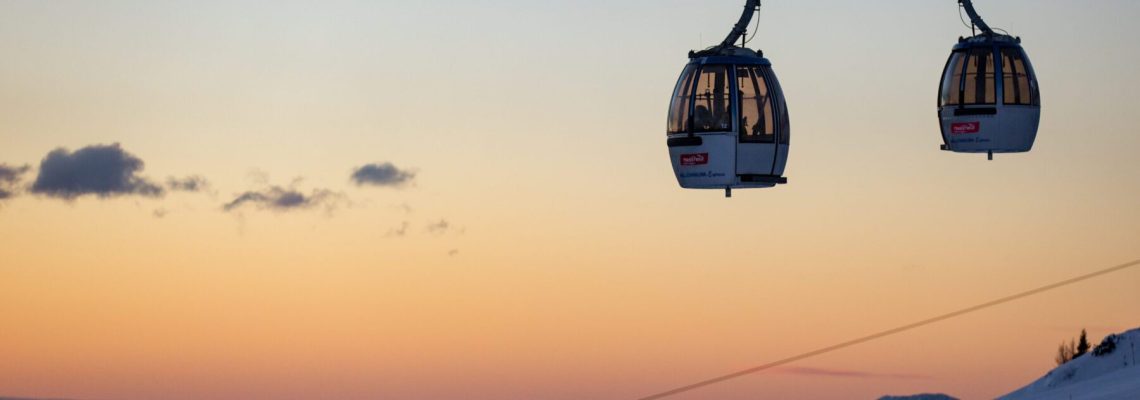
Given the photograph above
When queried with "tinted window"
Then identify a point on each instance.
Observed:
(756, 116)
(777, 100)
(682, 99)
(785, 122)
(979, 87)
(1016, 88)
(952, 79)
(1034, 90)
(712, 107)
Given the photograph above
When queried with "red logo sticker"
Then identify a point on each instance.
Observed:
(695, 159)
(965, 127)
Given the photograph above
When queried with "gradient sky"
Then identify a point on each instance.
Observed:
(546, 250)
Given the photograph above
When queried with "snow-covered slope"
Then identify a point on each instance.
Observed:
(1108, 372)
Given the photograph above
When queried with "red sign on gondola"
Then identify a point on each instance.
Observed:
(694, 159)
(965, 127)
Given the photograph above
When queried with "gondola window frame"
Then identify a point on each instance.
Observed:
(720, 116)
(763, 99)
(681, 107)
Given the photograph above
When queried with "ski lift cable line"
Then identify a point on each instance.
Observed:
(889, 332)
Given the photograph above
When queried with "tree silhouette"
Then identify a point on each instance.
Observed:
(1082, 345)
(1072, 350)
(1065, 352)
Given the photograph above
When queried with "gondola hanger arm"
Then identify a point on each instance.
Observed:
(741, 26)
(974, 17)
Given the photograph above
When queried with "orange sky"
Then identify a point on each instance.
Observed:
(542, 249)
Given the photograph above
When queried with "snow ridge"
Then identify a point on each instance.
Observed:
(1110, 371)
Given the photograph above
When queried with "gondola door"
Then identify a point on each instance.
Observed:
(756, 125)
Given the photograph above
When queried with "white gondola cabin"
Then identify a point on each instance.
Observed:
(728, 121)
(988, 101)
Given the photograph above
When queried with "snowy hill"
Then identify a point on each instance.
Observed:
(1108, 372)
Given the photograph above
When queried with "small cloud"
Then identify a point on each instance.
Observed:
(193, 183)
(838, 373)
(10, 177)
(160, 212)
(278, 198)
(453, 253)
(439, 228)
(100, 170)
(400, 231)
(384, 174)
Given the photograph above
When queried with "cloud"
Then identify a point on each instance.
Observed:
(9, 178)
(838, 373)
(160, 212)
(277, 198)
(453, 253)
(384, 174)
(193, 183)
(400, 231)
(100, 170)
(439, 228)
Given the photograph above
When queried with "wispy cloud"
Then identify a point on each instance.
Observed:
(440, 227)
(399, 231)
(193, 183)
(839, 373)
(100, 170)
(382, 174)
(10, 177)
(281, 199)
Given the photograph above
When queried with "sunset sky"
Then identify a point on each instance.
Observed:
(473, 200)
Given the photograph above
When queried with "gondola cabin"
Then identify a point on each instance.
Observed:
(728, 122)
(988, 99)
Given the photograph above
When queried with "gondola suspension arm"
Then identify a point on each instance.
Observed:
(974, 17)
(750, 8)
